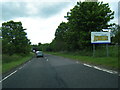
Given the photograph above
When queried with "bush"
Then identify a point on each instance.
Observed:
(7, 58)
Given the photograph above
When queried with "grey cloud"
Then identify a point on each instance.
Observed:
(114, 7)
(48, 11)
(119, 8)
(11, 10)
(119, 12)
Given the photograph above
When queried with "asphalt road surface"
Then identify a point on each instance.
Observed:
(58, 72)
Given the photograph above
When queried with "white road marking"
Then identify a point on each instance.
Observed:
(97, 68)
(13, 73)
(87, 65)
(8, 76)
(109, 71)
(102, 69)
(106, 71)
(21, 67)
(47, 59)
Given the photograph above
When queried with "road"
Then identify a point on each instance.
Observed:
(58, 72)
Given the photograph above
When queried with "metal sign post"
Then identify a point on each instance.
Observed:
(100, 38)
(93, 50)
(107, 50)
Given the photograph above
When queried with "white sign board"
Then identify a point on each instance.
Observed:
(100, 37)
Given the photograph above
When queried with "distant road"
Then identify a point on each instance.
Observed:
(58, 72)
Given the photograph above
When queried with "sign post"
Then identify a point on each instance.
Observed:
(93, 50)
(107, 50)
(100, 38)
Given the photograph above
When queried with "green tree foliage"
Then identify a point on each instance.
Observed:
(60, 31)
(39, 44)
(0, 42)
(60, 36)
(84, 18)
(116, 34)
(41, 47)
(14, 38)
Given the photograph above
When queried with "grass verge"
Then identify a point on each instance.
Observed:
(16, 61)
(0, 63)
(107, 62)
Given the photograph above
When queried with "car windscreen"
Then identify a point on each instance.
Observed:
(39, 52)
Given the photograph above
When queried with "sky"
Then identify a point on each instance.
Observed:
(42, 17)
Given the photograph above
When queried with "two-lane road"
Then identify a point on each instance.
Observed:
(58, 72)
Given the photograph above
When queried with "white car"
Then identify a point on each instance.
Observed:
(39, 54)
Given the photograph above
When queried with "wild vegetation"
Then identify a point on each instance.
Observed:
(14, 39)
(13, 61)
(84, 18)
(15, 45)
(73, 38)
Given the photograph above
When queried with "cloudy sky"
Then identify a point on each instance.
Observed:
(42, 17)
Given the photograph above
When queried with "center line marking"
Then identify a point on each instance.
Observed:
(8, 76)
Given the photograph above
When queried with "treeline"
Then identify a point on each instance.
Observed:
(14, 39)
(84, 18)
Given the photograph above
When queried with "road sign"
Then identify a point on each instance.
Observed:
(100, 37)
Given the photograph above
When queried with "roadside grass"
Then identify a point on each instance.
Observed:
(0, 64)
(100, 58)
(10, 62)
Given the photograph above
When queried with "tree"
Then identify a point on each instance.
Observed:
(116, 34)
(84, 18)
(14, 38)
(60, 31)
(39, 44)
(60, 35)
